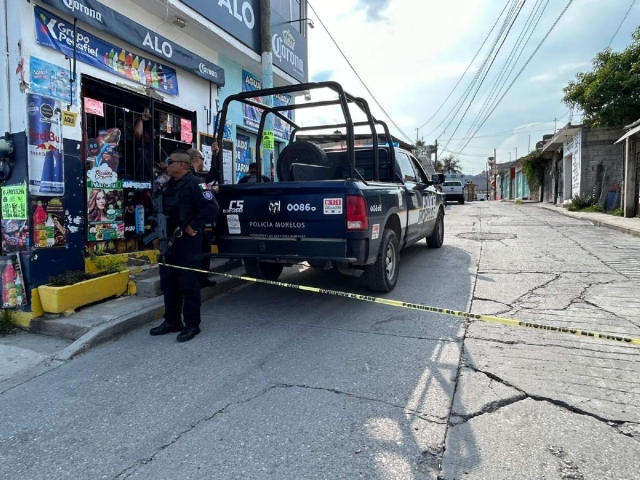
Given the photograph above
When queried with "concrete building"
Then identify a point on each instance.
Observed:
(583, 161)
(97, 93)
(631, 194)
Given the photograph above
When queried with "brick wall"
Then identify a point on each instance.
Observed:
(602, 165)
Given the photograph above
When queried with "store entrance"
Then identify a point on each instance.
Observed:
(126, 140)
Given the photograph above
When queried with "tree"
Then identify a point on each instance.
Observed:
(609, 95)
(451, 164)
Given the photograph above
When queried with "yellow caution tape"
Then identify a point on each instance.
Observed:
(425, 308)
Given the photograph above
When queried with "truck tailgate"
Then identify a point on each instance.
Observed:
(293, 219)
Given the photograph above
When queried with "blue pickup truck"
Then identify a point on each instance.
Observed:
(352, 207)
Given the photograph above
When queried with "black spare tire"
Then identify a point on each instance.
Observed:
(299, 152)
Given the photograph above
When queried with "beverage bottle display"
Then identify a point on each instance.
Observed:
(121, 59)
(135, 73)
(9, 285)
(141, 73)
(39, 220)
(112, 59)
(139, 219)
(19, 291)
(50, 230)
(105, 60)
(161, 82)
(127, 66)
(147, 75)
(154, 76)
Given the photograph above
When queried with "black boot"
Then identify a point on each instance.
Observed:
(164, 328)
(188, 333)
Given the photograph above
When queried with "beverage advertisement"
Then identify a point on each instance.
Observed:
(243, 156)
(51, 81)
(15, 228)
(252, 115)
(54, 32)
(48, 222)
(136, 212)
(46, 172)
(13, 293)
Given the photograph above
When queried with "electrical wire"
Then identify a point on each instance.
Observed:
(553, 26)
(357, 75)
(468, 67)
(620, 26)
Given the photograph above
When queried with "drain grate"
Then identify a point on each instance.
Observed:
(481, 236)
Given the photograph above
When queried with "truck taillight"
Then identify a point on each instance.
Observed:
(357, 213)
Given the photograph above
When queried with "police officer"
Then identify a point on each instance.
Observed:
(188, 207)
(197, 162)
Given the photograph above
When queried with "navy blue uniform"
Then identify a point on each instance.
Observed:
(185, 200)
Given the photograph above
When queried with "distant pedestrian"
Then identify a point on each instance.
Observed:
(188, 208)
(252, 176)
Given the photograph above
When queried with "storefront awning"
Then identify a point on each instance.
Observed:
(633, 131)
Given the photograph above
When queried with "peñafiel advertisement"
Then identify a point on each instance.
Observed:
(52, 81)
(252, 115)
(48, 222)
(12, 282)
(15, 227)
(54, 32)
(46, 171)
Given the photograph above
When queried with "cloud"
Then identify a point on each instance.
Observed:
(545, 77)
(374, 9)
(322, 75)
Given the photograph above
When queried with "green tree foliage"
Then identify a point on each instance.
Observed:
(609, 95)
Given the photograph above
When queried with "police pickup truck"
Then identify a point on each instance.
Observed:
(353, 207)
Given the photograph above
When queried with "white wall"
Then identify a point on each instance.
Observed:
(573, 147)
(193, 90)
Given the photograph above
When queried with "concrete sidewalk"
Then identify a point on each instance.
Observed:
(54, 340)
(630, 226)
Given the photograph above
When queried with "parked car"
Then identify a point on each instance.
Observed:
(351, 207)
(454, 190)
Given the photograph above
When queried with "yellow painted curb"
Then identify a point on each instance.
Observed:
(70, 297)
(22, 319)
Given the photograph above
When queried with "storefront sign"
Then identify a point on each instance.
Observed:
(54, 32)
(108, 20)
(241, 19)
(243, 155)
(50, 80)
(69, 118)
(46, 172)
(252, 115)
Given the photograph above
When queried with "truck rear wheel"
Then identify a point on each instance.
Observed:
(436, 239)
(263, 270)
(382, 276)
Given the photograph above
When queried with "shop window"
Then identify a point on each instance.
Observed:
(126, 137)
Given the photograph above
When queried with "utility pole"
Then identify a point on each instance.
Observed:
(529, 147)
(516, 154)
(267, 82)
(495, 169)
(435, 163)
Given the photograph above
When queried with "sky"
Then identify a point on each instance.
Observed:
(411, 53)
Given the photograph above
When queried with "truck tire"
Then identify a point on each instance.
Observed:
(299, 152)
(382, 276)
(461, 202)
(263, 270)
(436, 239)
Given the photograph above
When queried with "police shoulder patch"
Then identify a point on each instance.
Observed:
(207, 194)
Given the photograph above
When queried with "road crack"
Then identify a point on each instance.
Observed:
(621, 427)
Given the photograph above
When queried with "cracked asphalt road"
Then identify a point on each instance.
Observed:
(289, 384)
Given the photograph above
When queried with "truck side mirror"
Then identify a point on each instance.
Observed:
(438, 178)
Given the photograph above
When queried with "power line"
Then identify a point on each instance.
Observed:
(619, 26)
(523, 67)
(487, 71)
(468, 67)
(357, 75)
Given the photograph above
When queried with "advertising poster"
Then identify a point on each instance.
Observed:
(15, 228)
(103, 156)
(227, 165)
(13, 293)
(54, 32)
(46, 172)
(243, 156)
(105, 215)
(48, 222)
(51, 81)
(252, 115)
(137, 208)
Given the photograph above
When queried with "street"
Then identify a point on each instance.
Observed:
(288, 384)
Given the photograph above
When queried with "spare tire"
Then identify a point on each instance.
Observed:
(299, 152)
